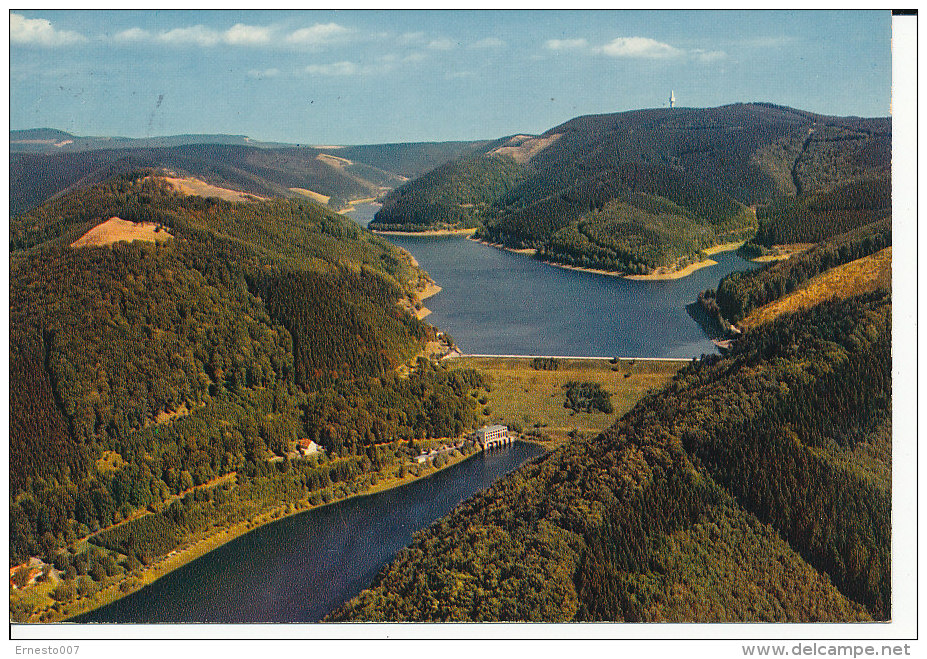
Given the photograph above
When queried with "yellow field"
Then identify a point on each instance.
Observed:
(663, 274)
(116, 230)
(725, 247)
(195, 187)
(314, 196)
(524, 397)
(853, 278)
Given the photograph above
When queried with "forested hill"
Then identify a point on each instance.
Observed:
(342, 174)
(196, 342)
(755, 487)
(641, 190)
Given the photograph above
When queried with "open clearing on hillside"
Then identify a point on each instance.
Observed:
(196, 187)
(853, 278)
(116, 229)
(523, 148)
(783, 252)
(522, 396)
(314, 196)
(333, 161)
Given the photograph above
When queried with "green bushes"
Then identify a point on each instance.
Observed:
(587, 397)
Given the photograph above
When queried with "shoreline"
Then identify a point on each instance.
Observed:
(657, 276)
(675, 274)
(430, 232)
(431, 288)
(351, 204)
(178, 558)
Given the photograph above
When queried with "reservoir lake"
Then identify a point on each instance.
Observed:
(303, 567)
(500, 303)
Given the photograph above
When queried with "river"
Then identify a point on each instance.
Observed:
(302, 567)
(497, 302)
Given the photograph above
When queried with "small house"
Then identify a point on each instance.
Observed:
(308, 447)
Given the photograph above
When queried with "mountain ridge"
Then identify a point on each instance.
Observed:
(684, 179)
(42, 170)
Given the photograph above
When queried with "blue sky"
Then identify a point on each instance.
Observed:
(363, 77)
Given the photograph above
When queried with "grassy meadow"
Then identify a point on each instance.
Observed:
(522, 396)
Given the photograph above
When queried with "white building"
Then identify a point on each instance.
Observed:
(492, 433)
(308, 447)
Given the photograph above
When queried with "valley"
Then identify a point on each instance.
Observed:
(212, 364)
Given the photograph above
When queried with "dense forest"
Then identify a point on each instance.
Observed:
(740, 293)
(454, 195)
(755, 487)
(162, 387)
(813, 217)
(637, 191)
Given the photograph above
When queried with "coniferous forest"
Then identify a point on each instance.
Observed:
(649, 190)
(159, 388)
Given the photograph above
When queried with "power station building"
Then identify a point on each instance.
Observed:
(490, 436)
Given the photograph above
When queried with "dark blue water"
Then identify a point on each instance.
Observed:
(496, 302)
(301, 568)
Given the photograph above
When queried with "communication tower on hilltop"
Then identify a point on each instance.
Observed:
(672, 98)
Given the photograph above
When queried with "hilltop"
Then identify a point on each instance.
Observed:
(169, 352)
(636, 191)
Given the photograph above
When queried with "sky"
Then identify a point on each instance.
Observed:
(366, 77)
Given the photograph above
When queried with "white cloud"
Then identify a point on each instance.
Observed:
(318, 35)
(442, 43)
(640, 48)
(488, 42)
(247, 35)
(637, 48)
(199, 35)
(334, 69)
(566, 44)
(240, 35)
(41, 32)
(133, 34)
